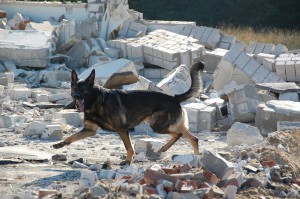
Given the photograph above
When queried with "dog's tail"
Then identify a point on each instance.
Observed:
(196, 82)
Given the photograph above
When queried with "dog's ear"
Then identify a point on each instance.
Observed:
(91, 78)
(74, 77)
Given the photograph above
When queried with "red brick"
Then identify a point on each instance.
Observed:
(45, 192)
(268, 163)
(171, 168)
(152, 177)
(3, 14)
(211, 177)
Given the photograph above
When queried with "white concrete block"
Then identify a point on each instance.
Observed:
(71, 117)
(214, 39)
(3, 81)
(197, 32)
(251, 67)
(259, 48)
(262, 56)
(124, 28)
(201, 117)
(42, 97)
(251, 48)
(135, 28)
(19, 93)
(240, 133)
(242, 60)
(96, 7)
(280, 69)
(142, 84)
(53, 132)
(150, 146)
(260, 74)
(212, 59)
(58, 96)
(269, 63)
(269, 49)
(44, 26)
(297, 68)
(10, 76)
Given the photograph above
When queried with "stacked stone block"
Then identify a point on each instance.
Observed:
(162, 48)
(288, 66)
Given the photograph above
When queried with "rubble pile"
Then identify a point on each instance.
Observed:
(247, 116)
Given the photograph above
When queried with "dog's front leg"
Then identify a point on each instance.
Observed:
(88, 130)
(128, 145)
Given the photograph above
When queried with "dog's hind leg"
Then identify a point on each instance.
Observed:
(128, 145)
(192, 139)
(89, 130)
(174, 138)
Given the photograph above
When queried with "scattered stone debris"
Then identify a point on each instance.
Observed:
(246, 118)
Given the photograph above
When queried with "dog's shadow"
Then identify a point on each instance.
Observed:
(65, 176)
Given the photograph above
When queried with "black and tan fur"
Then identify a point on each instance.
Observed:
(118, 110)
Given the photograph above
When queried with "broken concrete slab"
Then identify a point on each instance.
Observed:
(179, 27)
(279, 87)
(142, 84)
(238, 67)
(177, 81)
(289, 96)
(217, 164)
(35, 128)
(78, 55)
(267, 115)
(72, 118)
(45, 26)
(240, 133)
(20, 48)
(113, 74)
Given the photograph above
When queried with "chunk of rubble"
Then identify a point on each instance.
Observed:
(241, 133)
(78, 55)
(87, 178)
(35, 128)
(239, 68)
(150, 147)
(267, 115)
(71, 117)
(113, 74)
(243, 101)
(72, 32)
(200, 116)
(217, 164)
(279, 88)
(177, 81)
(19, 47)
(142, 84)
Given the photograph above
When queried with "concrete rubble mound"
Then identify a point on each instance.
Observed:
(246, 116)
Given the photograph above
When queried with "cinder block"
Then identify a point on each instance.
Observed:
(290, 71)
(35, 128)
(297, 68)
(53, 132)
(260, 74)
(71, 117)
(124, 28)
(3, 81)
(251, 48)
(43, 97)
(269, 49)
(242, 60)
(214, 39)
(113, 52)
(259, 48)
(269, 63)
(224, 45)
(197, 32)
(212, 59)
(280, 69)
(135, 28)
(262, 56)
(201, 117)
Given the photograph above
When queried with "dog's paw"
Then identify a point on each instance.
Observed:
(59, 145)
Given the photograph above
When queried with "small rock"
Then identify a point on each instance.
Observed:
(59, 157)
(78, 165)
(97, 191)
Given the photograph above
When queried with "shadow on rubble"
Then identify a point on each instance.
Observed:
(66, 175)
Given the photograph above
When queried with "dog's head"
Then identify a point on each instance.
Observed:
(80, 89)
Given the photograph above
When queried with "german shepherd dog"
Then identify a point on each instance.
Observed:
(118, 110)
